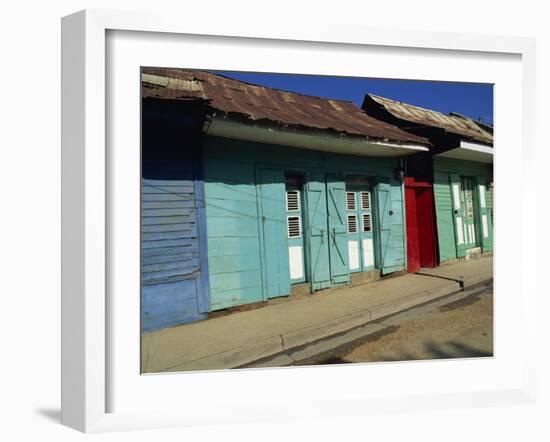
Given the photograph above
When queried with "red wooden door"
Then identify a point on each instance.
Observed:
(413, 252)
(421, 231)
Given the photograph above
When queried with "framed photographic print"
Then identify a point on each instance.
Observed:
(275, 223)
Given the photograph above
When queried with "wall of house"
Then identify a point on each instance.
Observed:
(443, 167)
(174, 280)
(233, 213)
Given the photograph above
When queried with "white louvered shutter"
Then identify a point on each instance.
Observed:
(365, 200)
(350, 200)
(352, 224)
(294, 226)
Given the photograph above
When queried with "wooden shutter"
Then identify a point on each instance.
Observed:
(484, 220)
(458, 214)
(391, 238)
(338, 251)
(317, 232)
(350, 201)
(276, 279)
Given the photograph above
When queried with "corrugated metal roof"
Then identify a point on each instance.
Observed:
(459, 125)
(263, 104)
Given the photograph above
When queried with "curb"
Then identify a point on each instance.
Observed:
(293, 356)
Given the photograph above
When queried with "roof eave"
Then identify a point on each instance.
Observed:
(318, 141)
(471, 152)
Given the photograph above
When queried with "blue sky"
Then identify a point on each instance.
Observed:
(474, 100)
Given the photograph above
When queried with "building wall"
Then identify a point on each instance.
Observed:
(443, 167)
(174, 280)
(232, 210)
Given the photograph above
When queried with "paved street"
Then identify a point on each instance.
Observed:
(454, 327)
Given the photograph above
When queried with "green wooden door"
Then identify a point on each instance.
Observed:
(337, 225)
(390, 232)
(458, 214)
(485, 228)
(317, 235)
(275, 274)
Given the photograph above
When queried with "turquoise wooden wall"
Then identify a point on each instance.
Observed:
(443, 167)
(233, 213)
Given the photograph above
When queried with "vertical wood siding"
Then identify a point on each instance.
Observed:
(232, 211)
(443, 167)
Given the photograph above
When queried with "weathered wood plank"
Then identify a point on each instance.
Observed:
(161, 189)
(153, 276)
(182, 266)
(173, 219)
(187, 242)
(167, 197)
(165, 251)
(168, 183)
(165, 227)
(168, 279)
(177, 257)
(182, 205)
(164, 212)
(154, 236)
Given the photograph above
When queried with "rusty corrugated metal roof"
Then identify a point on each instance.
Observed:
(486, 127)
(455, 124)
(263, 104)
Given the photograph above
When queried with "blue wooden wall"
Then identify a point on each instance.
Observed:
(170, 257)
(174, 268)
(233, 212)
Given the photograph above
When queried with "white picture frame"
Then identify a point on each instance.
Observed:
(87, 356)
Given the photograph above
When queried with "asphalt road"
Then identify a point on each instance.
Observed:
(456, 327)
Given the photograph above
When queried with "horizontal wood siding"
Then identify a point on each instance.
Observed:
(443, 199)
(232, 213)
(176, 199)
(170, 257)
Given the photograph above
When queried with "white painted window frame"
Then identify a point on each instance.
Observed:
(87, 359)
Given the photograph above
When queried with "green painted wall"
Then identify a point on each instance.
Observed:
(443, 167)
(232, 212)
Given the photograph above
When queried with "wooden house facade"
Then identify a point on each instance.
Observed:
(249, 192)
(455, 178)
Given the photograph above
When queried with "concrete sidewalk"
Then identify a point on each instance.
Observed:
(468, 274)
(245, 337)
